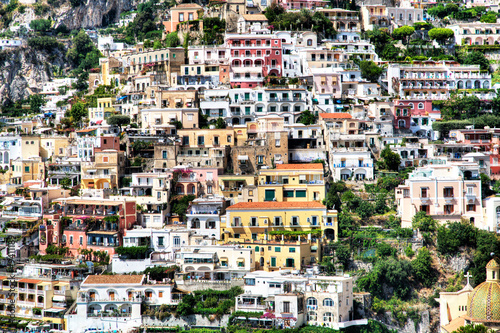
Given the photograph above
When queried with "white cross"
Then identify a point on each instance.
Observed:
(468, 276)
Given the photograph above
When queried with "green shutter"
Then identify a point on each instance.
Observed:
(269, 196)
(288, 193)
(300, 194)
(273, 262)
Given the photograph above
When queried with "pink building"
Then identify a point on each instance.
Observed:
(183, 13)
(447, 192)
(252, 57)
(90, 223)
(405, 109)
(196, 181)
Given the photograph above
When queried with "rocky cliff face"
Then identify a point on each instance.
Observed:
(93, 14)
(23, 71)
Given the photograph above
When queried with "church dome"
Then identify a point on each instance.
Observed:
(483, 304)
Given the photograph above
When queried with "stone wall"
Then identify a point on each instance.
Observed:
(187, 321)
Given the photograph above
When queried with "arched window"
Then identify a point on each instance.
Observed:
(312, 316)
(312, 303)
(328, 317)
(420, 106)
(328, 302)
(411, 105)
(309, 42)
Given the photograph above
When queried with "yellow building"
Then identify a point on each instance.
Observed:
(30, 146)
(105, 172)
(53, 147)
(49, 297)
(255, 220)
(239, 188)
(23, 170)
(292, 183)
(283, 234)
(103, 110)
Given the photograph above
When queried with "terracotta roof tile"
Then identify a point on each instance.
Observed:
(276, 205)
(454, 325)
(30, 281)
(254, 17)
(187, 5)
(301, 166)
(114, 279)
(335, 115)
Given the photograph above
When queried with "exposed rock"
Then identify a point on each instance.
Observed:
(423, 326)
(23, 71)
(94, 14)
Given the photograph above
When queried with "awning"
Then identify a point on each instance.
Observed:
(92, 170)
(99, 122)
(158, 116)
(242, 157)
(52, 310)
(240, 260)
(314, 247)
(59, 298)
(178, 100)
(189, 100)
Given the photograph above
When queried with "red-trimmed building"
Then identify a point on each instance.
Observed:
(90, 223)
(252, 57)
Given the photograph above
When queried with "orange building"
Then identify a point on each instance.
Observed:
(182, 13)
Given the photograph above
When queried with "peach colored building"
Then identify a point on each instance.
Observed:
(447, 192)
(182, 13)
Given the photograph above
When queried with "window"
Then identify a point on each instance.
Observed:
(105, 159)
(177, 241)
(185, 140)
(201, 140)
(181, 17)
(229, 138)
(448, 192)
(424, 192)
(291, 250)
(300, 193)
(327, 302)
(26, 169)
(425, 208)
(81, 240)
(277, 143)
(273, 261)
(71, 240)
(164, 154)
(253, 222)
(327, 317)
(277, 249)
(448, 209)
(288, 193)
(160, 241)
(286, 307)
(249, 282)
(471, 207)
(277, 220)
(190, 16)
(295, 220)
(420, 106)
(260, 159)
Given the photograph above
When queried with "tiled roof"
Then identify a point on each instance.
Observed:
(30, 281)
(114, 279)
(335, 115)
(86, 130)
(454, 325)
(276, 205)
(302, 166)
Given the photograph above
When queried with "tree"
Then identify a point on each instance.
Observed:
(83, 54)
(490, 17)
(220, 123)
(441, 35)
(40, 25)
(36, 102)
(485, 185)
(475, 58)
(172, 40)
(332, 200)
(119, 121)
(437, 11)
(423, 222)
(403, 33)
(78, 111)
(370, 71)
(422, 268)
(390, 160)
(365, 210)
(471, 328)
(393, 273)
(307, 118)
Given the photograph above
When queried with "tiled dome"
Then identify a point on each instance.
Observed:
(493, 264)
(484, 302)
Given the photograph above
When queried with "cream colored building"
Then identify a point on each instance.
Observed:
(163, 121)
(447, 192)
